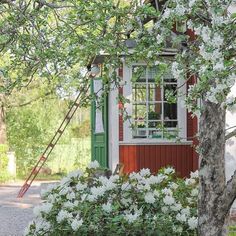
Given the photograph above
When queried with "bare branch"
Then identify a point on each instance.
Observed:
(30, 101)
(229, 195)
(230, 135)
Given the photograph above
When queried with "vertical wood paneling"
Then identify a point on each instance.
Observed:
(154, 157)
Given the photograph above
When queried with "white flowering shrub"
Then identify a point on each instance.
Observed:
(138, 204)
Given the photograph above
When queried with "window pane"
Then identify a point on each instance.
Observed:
(152, 72)
(170, 111)
(139, 93)
(154, 124)
(154, 111)
(170, 124)
(154, 93)
(139, 112)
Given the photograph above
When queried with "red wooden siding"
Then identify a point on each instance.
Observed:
(136, 157)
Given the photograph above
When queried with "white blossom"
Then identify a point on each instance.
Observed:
(42, 226)
(93, 165)
(76, 224)
(175, 70)
(131, 217)
(144, 172)
(186, 211)
(168, 200)
(194, 192)
(192, 222)
(190, 181)
(81, 187)
(174, 186)
(70, 196)
(176, 207)
(125, 186)
(63, 215)
(219, 66)
(181, 217)
(167, 191)
(97, 191)
(164, 209)
(75, 174)
(149, 198)
(44, 208)
(191, 3)
(180, 10)
(194, 174)
(169, 170)
(107, 207)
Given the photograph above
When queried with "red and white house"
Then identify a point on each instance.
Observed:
(145, 145)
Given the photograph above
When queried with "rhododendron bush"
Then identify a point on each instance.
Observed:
(138, 204)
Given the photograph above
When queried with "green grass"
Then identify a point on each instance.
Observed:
(232, 230)
(69, 157)
(66, 158)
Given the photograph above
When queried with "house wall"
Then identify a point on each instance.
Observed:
(156, 155)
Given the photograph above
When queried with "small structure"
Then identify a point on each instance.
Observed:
(148, 138)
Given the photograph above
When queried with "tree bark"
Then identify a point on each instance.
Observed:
(212, 170)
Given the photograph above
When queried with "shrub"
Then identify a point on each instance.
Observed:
(138, 204)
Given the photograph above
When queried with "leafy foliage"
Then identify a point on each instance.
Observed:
(31, 127)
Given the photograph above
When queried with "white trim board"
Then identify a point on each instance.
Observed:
(181, 110)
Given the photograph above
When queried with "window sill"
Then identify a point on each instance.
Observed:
(154, 142)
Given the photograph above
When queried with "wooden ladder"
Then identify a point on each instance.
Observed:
(43, 158)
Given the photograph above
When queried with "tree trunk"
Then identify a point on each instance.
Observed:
(212, 170)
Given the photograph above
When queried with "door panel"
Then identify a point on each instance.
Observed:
(99, 134)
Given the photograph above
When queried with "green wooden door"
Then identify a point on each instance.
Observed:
(99, 124)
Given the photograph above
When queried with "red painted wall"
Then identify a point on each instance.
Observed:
(136, 157)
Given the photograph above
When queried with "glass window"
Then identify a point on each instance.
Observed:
(154, 116)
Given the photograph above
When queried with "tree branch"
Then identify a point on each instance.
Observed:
(52, 5)
(9, 2)
(229, 195)
(31, 101)
(230, 135)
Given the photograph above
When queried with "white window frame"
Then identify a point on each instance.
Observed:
(181, 112)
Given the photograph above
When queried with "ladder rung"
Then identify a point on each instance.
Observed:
(76, 104)
(60, 131)
(51, 145)
(42, 158)
(68, 117)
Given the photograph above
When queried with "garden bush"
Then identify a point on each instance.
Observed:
(138, 204)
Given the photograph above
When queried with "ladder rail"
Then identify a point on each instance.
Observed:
(43, 158)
